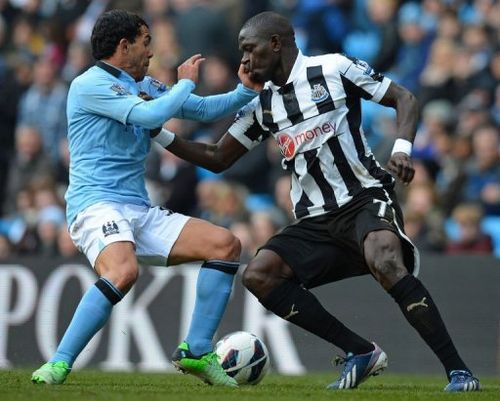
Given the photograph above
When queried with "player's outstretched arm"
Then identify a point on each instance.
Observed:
(214, 157)
(154, 113)
(213, 107)
(406, 106)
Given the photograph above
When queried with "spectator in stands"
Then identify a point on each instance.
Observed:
(78, 59)
(436, 80)
(11, 88)
(29, 164)
(471, 238)
(65, 246)
(202, 28)
(449, 27)
(165, 46)
(50, 216)
(421, 205)
(384, 15)
(43, 105)
(437, 121)
(483, 171)
(473, 112)
(375, 37)
(27, 40)
(413, 52)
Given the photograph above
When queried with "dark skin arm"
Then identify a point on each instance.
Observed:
(406, 106)
(214, 157)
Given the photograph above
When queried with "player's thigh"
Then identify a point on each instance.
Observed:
(156, 233)
(202, 240)
(313, 256)
(167, 238)
(379, 227)
(118, 263)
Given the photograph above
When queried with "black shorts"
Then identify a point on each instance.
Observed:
(329, 248)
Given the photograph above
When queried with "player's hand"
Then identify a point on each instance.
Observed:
(401, 166)
(247, 81)
(190, 68)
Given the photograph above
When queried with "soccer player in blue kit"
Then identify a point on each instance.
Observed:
(113, 110)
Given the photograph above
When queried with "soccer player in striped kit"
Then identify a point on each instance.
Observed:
(349, 222)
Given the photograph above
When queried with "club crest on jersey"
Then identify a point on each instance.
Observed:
(110, 228)
(119, 89)
(286, 145)
(160, 86)
(318, 93)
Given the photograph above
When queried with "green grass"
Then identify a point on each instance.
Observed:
(85, 385)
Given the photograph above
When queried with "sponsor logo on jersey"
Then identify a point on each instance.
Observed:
(289, 143)
(110, 228)
(318, 93)
(286, 145)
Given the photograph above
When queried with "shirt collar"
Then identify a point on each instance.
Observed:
(108, 68)
(298, 66)
(111, 69)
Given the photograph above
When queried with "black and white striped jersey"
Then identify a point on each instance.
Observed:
(316, 120)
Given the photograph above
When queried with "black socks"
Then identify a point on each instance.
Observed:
(299, 306)
(421, 312)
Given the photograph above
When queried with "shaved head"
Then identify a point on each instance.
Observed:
(269, 50)
(269, 23)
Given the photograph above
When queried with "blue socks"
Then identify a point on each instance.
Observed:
(92, 313)
(213, 288)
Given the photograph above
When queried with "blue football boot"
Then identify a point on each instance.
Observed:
(462, 380)
(359, 367)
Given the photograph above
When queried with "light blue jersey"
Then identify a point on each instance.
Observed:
(108, 131)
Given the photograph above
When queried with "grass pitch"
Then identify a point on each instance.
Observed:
(85, 385)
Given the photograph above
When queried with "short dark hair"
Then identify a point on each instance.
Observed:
(270, 23)
(110, 28)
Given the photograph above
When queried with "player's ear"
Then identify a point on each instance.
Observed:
(123, 45)
(276, 43)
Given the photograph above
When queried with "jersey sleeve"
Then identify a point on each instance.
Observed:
(246, 128)
(359, 77)
(153, 87)
(106, 98)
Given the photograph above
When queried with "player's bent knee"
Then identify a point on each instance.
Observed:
(123, 276)
(227, 246)
(258, 279)
(383, 255)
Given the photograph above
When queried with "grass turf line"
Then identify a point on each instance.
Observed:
(85, 385)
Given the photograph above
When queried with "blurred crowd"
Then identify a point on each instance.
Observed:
(446, 51)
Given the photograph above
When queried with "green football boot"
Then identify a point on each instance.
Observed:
(206, 367)
(51, 373)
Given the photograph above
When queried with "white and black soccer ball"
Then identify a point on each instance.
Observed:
(243, 356)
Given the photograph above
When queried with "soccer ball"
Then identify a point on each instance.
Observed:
(243, 356)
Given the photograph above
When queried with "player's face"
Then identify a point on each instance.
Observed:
(139, 54)
(259, 58)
